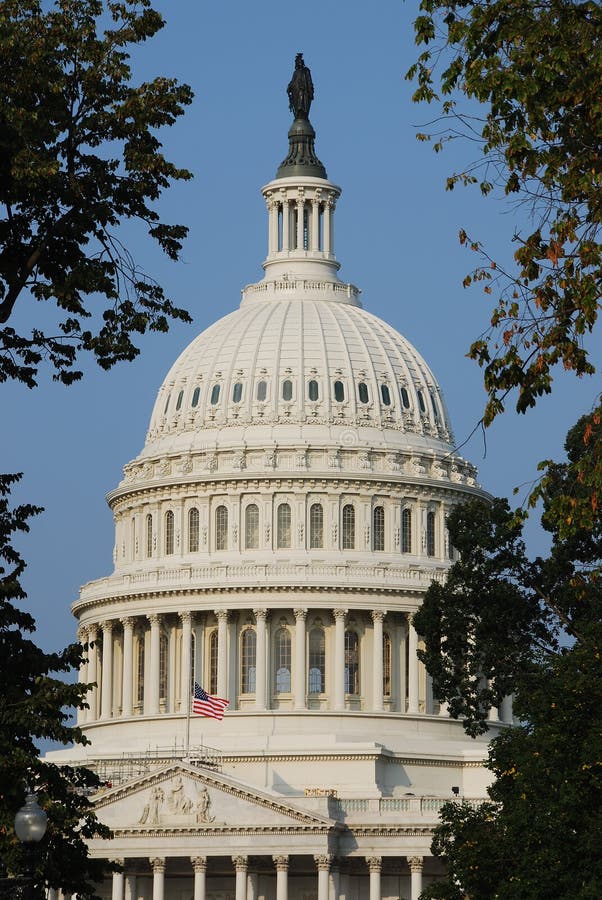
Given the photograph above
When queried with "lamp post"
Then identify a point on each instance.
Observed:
(30, 827)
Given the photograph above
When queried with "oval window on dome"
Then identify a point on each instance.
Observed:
(214, 394)
(405, 398)
(312, 390)
(167, 404)
(421, 402)
(362, 390)
(195, 396)
(237, 392)
(287, 390)
(179, 400)
(339, 391)
(385, 394)
(434, 405)
(262, 390)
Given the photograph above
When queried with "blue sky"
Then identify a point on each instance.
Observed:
(396, 237)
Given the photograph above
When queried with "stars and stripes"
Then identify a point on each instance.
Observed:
(203, 704)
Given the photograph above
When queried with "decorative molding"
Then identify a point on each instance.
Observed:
(281, 863)
(415, 863)
(158, 865)
(323, 862)
(374, 863)
(199, 863)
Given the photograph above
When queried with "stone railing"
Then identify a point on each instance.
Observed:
(396, 807)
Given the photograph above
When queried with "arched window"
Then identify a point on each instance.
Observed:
(430, 534)
(362, 390)
(195, 396)
(193, 530)
(248, 654)
(405, 398)
(237, 392)
(317, 661)
(406, 531)
(313, 391)
(163, 665)
(287, 390)
(421, 402)
(221, 528)
(262, 390)
(385, 394)
(282, 661)
(316, 526)
(169, 532)
(352, 663)
(339, 391)
(378, 528)
(179, 401)
(149, 535)
(348, 527)
(434, 405)
(283, 531)
(252, 527)
(214, 395)
(167, 404)
(386, 665)
(140, 670)
(213, 648)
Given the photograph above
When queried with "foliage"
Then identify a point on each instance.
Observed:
(505, 624)
(531, 72)
(79, 156)
(33, 703)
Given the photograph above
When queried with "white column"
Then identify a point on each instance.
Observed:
(281, 863)
(339, 658)
(118, 880)
(222, 653)
(130, 887)
(52, 894)
(106, 703)
(127, 679)
(240, 864)
(260, 661)
(415, 863)
(327, 226)
(286, 225)
(506, 710)
(82, 673)
(155, 652)
(300, 671)
(374, 866)
(158, 867)
(273, 227)
(252, 886)
(186, 666)
(412, 669)
(323, 866)
(300, 208)
(199, 864)
(92, 695)
(315, 225)
(377, 660)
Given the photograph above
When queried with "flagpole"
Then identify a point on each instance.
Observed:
(187, 745)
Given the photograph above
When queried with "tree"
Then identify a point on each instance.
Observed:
(79, 157)
(531, 73)
(34, 705)
(505, 624)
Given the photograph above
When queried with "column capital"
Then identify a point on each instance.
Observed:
(340, 614)
(128, 621)
(240, 863)
(300, 614)
(154, 618)
(260, 614)
(415, 863)
(107, 626)
(222, 614)
(186, 618)
(199, 863)
(92, 632)
(281, 863)
(117, 862)
(323, 862)
(157, 864)
(374, 863)
(82, 634)
(378, 615)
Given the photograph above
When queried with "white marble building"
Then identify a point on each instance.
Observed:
(273, 538)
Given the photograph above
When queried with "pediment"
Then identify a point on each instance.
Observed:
(183, 798)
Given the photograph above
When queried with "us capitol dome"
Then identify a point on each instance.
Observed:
(274, 537)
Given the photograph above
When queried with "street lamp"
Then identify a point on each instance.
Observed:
(30, 827)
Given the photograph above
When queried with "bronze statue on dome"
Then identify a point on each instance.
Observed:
(300, 89)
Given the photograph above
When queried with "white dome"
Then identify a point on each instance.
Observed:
(298, 361)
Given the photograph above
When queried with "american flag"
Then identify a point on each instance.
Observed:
(203, 704)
